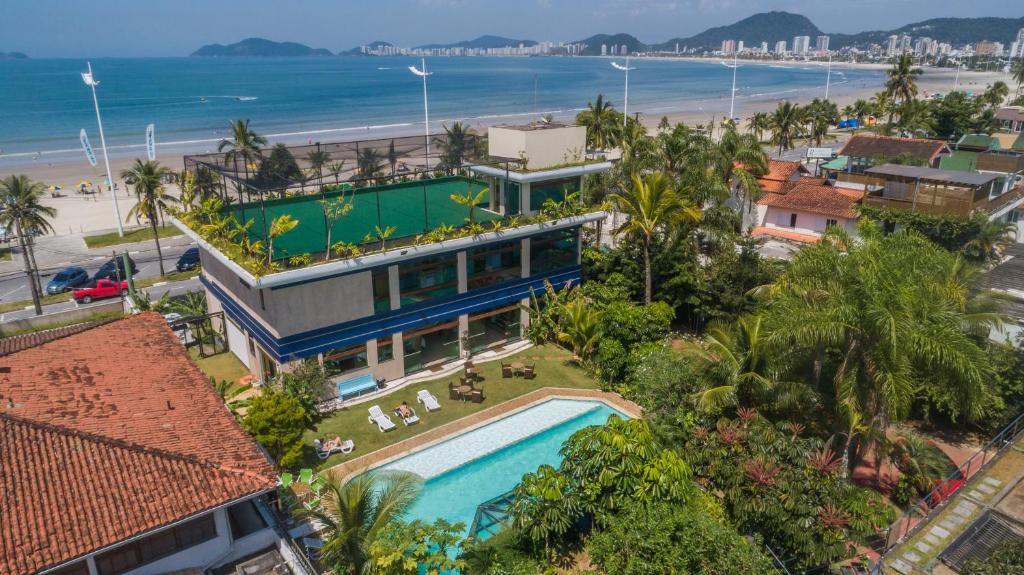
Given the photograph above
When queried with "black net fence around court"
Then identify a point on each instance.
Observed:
(990, 532)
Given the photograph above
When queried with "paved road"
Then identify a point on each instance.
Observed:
(155, 292)
(14, 285)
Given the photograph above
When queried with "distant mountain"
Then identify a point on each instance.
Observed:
(13, 56)
(956, 31)
(481, 43)
(259, 47)
(595, 42)
(763, 27)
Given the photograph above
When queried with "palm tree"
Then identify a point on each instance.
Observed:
(336, 168)
(580, 327)
(317, 160)
(279, 226)
(901, 85)
(603, 124)
(470, 201)
(785, 125)
(368, 163)
(1018, 74)
(992, 237)
(334, 210)
(392, 157)
(915, 117)
(21, 209)
(920, 461)
(893, 310)
(820, 115)
(736, 360)
(653, 204)
(759, 123)
(188, 192)
(995, 94)
(244, 144)
(738, 149)
(356, 513)
(456, 143)
(151, 197)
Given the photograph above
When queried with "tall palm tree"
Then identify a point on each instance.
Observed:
(995, 94)
(901, 85)
(653, 204)
(820, 115)
(21, 209)
(743, 150)
(991, 238)
(356, 513)
(603, 124)
(735, 358)
(317, 160)
(368, 163)
(151, 198)
(244, 145)
(457, 142)
(1018, 74)
(392, 157)
(785, 125)
(893, 311)
(915, 117)
(759, 123)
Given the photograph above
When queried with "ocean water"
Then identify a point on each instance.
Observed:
(43, 103)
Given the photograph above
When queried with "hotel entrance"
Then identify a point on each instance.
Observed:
(430, 346)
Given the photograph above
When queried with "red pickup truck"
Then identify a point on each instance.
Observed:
(102, 289)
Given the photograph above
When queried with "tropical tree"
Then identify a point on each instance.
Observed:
(736, 152)
(820, 115)
(206, 184)
(336, 168)
(151, 197)
(22, 210)
(355, 516)
(901, 85)
(457, 141)
(392, 156)
(580, 327)
(317, 160)
(921, 463)
(992, 237)
(736, 362)
(995, 94)
(244, 144)
(652, 205)
(603, 124)
(785, 125)
(759, 123)
(187, 190)
(470, 201)
(1018, 74)
(915, 117)
(894, 310)
(368, 163)
(544, 506)
(279, 226)
(334, 209)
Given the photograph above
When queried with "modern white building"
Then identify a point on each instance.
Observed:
(780, 48)
(821, 43)
(801, 44)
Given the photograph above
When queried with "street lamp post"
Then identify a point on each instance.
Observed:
(732, 98)
(828, 76)
(92, 83)
(956, 79)
(426, 113)
(625, 107)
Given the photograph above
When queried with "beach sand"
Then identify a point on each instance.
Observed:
(79, 213)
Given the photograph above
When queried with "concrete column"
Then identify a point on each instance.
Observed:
(90, 563)
(399, 353)
(462, 271)
(524, 198)
(220, 519)
(371, 353)
(463, 330)
(393, 290)
(524, 256)
(524, 315)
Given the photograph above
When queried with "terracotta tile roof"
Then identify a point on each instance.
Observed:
(109, 433)
(784, 234)
(780, 175)
(815, 196)
(15, 343)
(869, 146)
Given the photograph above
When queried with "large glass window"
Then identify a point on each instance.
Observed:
(381, 290)
(512, 201)
(156, 546)
(430, 346)
(494, 327)
(338, 361)
(553, 251)
(427, 279)
(493, 264)
(385, 349)
(555, 190)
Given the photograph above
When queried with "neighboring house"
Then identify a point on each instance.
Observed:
(1011, 119)
(420, 304)
(806, 209)
(782, 174)
(863, 151)
(117, 457)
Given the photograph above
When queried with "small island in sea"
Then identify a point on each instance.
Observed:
(259, 47)
(13, 56)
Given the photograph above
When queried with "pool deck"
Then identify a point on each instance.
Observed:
(343, 471)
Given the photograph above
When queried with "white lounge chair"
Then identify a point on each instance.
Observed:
(428, 400)
(346, 447)
(380, 418)
(413, 418)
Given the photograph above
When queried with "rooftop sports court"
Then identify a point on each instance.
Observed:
(411, 207)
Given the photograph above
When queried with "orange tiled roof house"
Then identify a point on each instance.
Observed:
(117, 457)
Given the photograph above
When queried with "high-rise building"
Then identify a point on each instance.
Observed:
(892, 45)
(904, 44)
(615, 49)
(985, 48)
(604, 49)
(764, 47)
(624, 50)
(728, 46)
(801, 44)
(821, 43)
(739, 46)
(780, 48)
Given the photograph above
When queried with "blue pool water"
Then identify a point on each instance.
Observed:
(455, 494)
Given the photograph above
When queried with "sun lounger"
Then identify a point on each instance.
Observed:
(346, 447)
(428, 400)
(306, 475)
(407, 420)
(286, 480)
(381, 419)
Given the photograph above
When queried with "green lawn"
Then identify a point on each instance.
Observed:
(553, 370)
(94, 317)
(130, 237)
(24, 303)
(172, 276)
(223, 366)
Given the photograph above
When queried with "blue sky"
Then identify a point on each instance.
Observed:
(79, 28)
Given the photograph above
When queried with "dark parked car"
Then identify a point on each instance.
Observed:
(188, 260)
(115, 267)
(67, 279)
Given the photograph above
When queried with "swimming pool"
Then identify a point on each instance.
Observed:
(462, 472)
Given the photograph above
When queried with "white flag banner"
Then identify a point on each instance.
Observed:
(151, 142)
(89, 155)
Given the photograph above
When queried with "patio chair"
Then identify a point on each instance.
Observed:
(306, 476)
(506, 371)
(412, 419)
(312, 504)
(428, 400)
(318, 484)
(529, 373)
(453, 392)
(477, 396)
(381, 419)
(286, 480)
